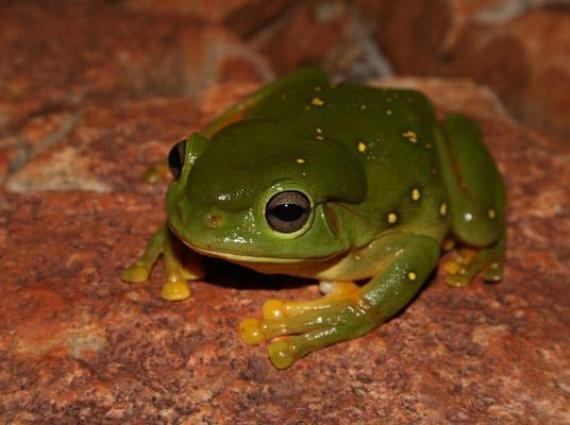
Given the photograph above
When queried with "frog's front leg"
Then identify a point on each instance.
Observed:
(300, 328)
(181, 266)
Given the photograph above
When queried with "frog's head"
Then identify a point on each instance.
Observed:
(263, 196)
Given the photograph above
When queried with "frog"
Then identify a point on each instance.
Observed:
(360, 188)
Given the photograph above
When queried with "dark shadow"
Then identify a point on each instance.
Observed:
(226, 274)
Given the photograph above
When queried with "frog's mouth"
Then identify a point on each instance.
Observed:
(240, 258)
(300, 267)
(255, 259)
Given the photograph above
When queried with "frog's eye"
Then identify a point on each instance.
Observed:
(288, 211)
(176, 158)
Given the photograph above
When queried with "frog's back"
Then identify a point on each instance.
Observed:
(391, 132)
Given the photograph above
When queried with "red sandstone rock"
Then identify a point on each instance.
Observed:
(524, 59)
(85, 157)
(57, 59)
(258, 15)
(303, 35)
(212, 10)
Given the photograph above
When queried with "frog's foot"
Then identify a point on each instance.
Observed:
(136, 273)
(176, 287)
(298, 328)
(175, 291)
(178, 273)
(468, 262)
(140, 271)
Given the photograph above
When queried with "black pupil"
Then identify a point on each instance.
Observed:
(176, 158)
(288, 212)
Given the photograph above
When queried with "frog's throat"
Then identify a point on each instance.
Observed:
(245, 259)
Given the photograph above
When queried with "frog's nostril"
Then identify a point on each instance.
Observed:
(213, 220)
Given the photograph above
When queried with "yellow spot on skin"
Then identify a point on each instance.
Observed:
(363, 107)
(416, 195)
(318, 88)
(411, 136)
(443, 209)
(300, 161)
(389, 112)
(491, 213)
(392, 218)
(412, 276)
(362, 147)
(317, 101)
(319, 135)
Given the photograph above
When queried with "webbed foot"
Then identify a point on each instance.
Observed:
(177, 290)
(468, 262)
(297, 328)
(136, 273)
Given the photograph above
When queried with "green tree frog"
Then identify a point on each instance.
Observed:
(354, 186)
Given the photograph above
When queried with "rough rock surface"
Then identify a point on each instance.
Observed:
(521, 49)
(56, 60)
(77, 345)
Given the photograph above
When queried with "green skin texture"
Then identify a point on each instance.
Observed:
(387, 183)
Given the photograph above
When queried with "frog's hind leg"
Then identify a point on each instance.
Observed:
(299, 328)
(336, 292)
(281, 317)
(477, 201)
